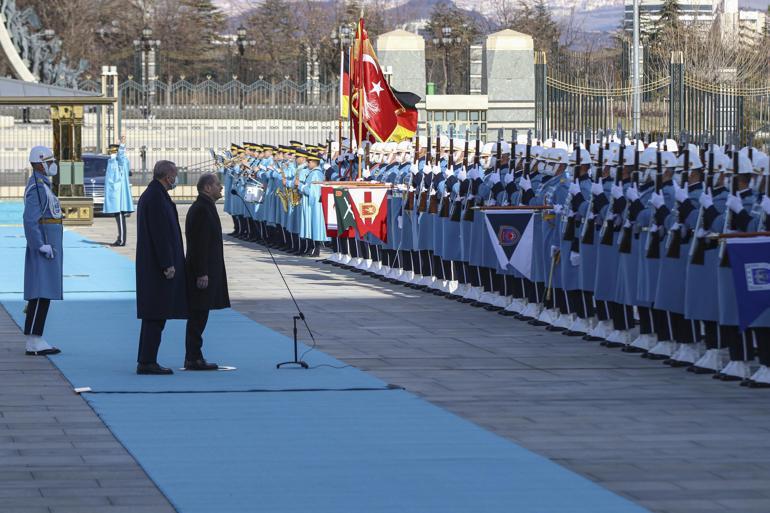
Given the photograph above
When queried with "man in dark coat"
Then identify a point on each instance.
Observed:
(206, 275)
(160, 266)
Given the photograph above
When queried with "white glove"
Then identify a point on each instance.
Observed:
(360, 152)
(734, 203)
(706, 200)
(327, 166)
(449, 172)
(558, 209)
(47, 251)
(616, 192)
(462, 174)
(508, 178)
(574, 258)
(554, 251)
(436, 169)
(525, 183)
(680, 193)
(473, 173)
(632, 193)
(627, 223)
(765, 204)
(494, 178)
(590, 216)
(366, 173)
(700, 233)
(574, 189)
(597, 189)
(653, 228)
(656, 200)
(426, 168)
(491, 202)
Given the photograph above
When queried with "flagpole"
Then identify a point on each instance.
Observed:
(350, 98)
(341, 96)
(360, 92)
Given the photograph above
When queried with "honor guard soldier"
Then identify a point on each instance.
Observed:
(45, 253)
(117, 189)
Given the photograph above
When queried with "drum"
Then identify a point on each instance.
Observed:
(255, 193)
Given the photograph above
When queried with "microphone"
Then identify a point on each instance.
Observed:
(300, 316)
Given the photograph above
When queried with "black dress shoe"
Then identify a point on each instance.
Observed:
(758, 384)
(200, 365)
(43, 352)
(152, 368)
(571, 333)
(729, 377)
(632, 349)
(116, 243)
(701, 370)
(679, 363)
(591, 338)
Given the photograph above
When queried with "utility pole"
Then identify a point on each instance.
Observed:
(636, 91)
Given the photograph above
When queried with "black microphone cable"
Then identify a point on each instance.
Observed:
(301, 315)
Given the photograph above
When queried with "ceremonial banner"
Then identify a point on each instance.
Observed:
(344, 212)
(344, 84)
(387, 114)
(750, 262)
(510, 232)
(370, 210)
(330, 214)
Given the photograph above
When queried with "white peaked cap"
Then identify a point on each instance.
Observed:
(389, 147)
(668, 158)
(649, 157)
(488, 148)
(40, 154)
(423, 140)
(459, 144)
(694, 161)
(404, 146)
(560, 156)
(628, 155)
(744, 164)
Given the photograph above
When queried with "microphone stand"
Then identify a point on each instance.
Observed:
(300, 316)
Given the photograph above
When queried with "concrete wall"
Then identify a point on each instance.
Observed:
(509, 80)
(405, 53)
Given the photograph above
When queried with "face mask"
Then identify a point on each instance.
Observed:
(113, 156)
(51, 169)
(172, 185)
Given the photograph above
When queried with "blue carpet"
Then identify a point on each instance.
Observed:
(282, 449)
(337, 452)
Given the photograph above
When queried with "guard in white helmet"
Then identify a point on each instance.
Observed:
(44, 255)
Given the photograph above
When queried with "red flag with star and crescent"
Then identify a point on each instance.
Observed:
(387, 114)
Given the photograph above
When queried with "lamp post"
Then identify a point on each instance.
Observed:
(446, 41)
(148, 51)
(241, 43)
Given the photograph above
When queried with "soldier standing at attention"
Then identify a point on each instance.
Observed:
(44, 255)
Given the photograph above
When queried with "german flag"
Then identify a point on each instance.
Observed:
(344, 85)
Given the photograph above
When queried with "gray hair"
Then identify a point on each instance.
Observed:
(206, 179)
(162, 169)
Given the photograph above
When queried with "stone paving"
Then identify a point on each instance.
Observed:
(56, 455)
(668, 440)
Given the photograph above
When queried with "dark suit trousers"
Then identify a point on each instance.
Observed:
(149, 340)
(196, 324)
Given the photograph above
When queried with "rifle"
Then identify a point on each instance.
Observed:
(329, 148)
(409, 206)
(699, 245)
(588, 229)
(608, 228)
(569, 227)
(729, 221)
(468, 215)
(653, 240)
(674, 239)
(528, 154)
(457, 204)
(432, 195)
(422, 203)
(444, 211)
(624, 244)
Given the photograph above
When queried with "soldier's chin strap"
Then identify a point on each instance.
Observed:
(297, 361)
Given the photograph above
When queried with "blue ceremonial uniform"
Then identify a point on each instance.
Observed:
(42, 225)
(117, 186)
(313, 225)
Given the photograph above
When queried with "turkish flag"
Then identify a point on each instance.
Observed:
(387, 114)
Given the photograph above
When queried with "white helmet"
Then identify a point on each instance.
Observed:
(40, 154)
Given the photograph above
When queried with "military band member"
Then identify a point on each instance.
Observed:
(117, 189)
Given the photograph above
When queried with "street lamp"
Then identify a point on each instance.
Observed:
(241, 42)
(446, 41)
(148, 48)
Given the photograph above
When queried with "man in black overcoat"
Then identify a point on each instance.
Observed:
(206, 275)
(160, 266)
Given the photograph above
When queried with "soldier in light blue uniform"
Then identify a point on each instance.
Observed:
(672, 284)
(703, 265)
(661, 204)
(117, 189)
(313, 228)
(736, 218)
(227, 183)
(43, 260)
(450, 224)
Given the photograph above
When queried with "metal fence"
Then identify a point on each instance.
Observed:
(181, 121)
(671, 104)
